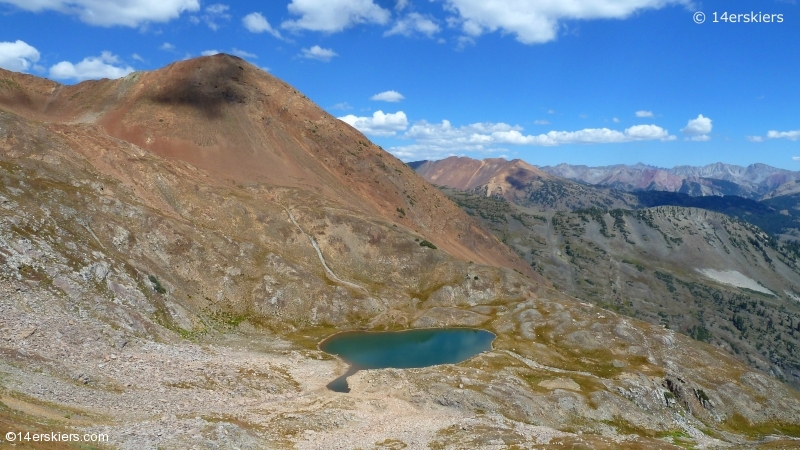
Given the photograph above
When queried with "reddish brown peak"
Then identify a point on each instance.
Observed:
(240, 124)
(20, 91)
(467, 173)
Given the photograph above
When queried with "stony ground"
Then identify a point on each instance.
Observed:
(64, 370)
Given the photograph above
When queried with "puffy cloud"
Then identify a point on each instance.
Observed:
(772, 134)
(318, 53)
(379, 124)
(501, 133)
(795, 158)
(257, 23)
(401, 5)
(106, 65)
(138, 57)
(166, 46)
(791, 135)
(209, 52)
(17, 56)
(388, 96)
(698, 129)
(332, 16)
(644, 113)
(130, 13)
(445, 139)
(539, 21)
(414, 23)
(615, 119)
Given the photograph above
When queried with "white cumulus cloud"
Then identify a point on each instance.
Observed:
(539, 21)
(18, 56)
(388, 96)
(444, 139)
(106, 65)
(130, 13)
(414, 23)
(257, 23)
(796, 158)
(332, 16)
(379, 124)
(644, 113)
(318, 53)
(209, 52)
(791, 135)
(698, 129)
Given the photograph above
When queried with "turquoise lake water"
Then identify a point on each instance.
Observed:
(404, 349)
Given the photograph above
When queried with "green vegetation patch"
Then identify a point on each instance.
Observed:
(157, 285)
(426, 243)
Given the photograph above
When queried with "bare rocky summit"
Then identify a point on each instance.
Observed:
(174, 244)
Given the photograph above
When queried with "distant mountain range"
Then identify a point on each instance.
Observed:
(520, 183)
(569, 188)
(755, 181)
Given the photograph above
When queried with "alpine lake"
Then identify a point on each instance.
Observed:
(404, 349)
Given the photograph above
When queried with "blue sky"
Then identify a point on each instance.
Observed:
(593, 82)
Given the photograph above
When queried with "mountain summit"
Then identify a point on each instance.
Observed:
(239, 123)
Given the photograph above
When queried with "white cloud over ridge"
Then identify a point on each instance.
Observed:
(106, 65)
(535, 22)
(443, 139)
(18, 56)
(388, 96)
(379, 124)
(318, 53)
(332, 16)
(414, 23)
(129, 13)
(257, 23)
(791, 135)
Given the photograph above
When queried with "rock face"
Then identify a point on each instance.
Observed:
(153, 290)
